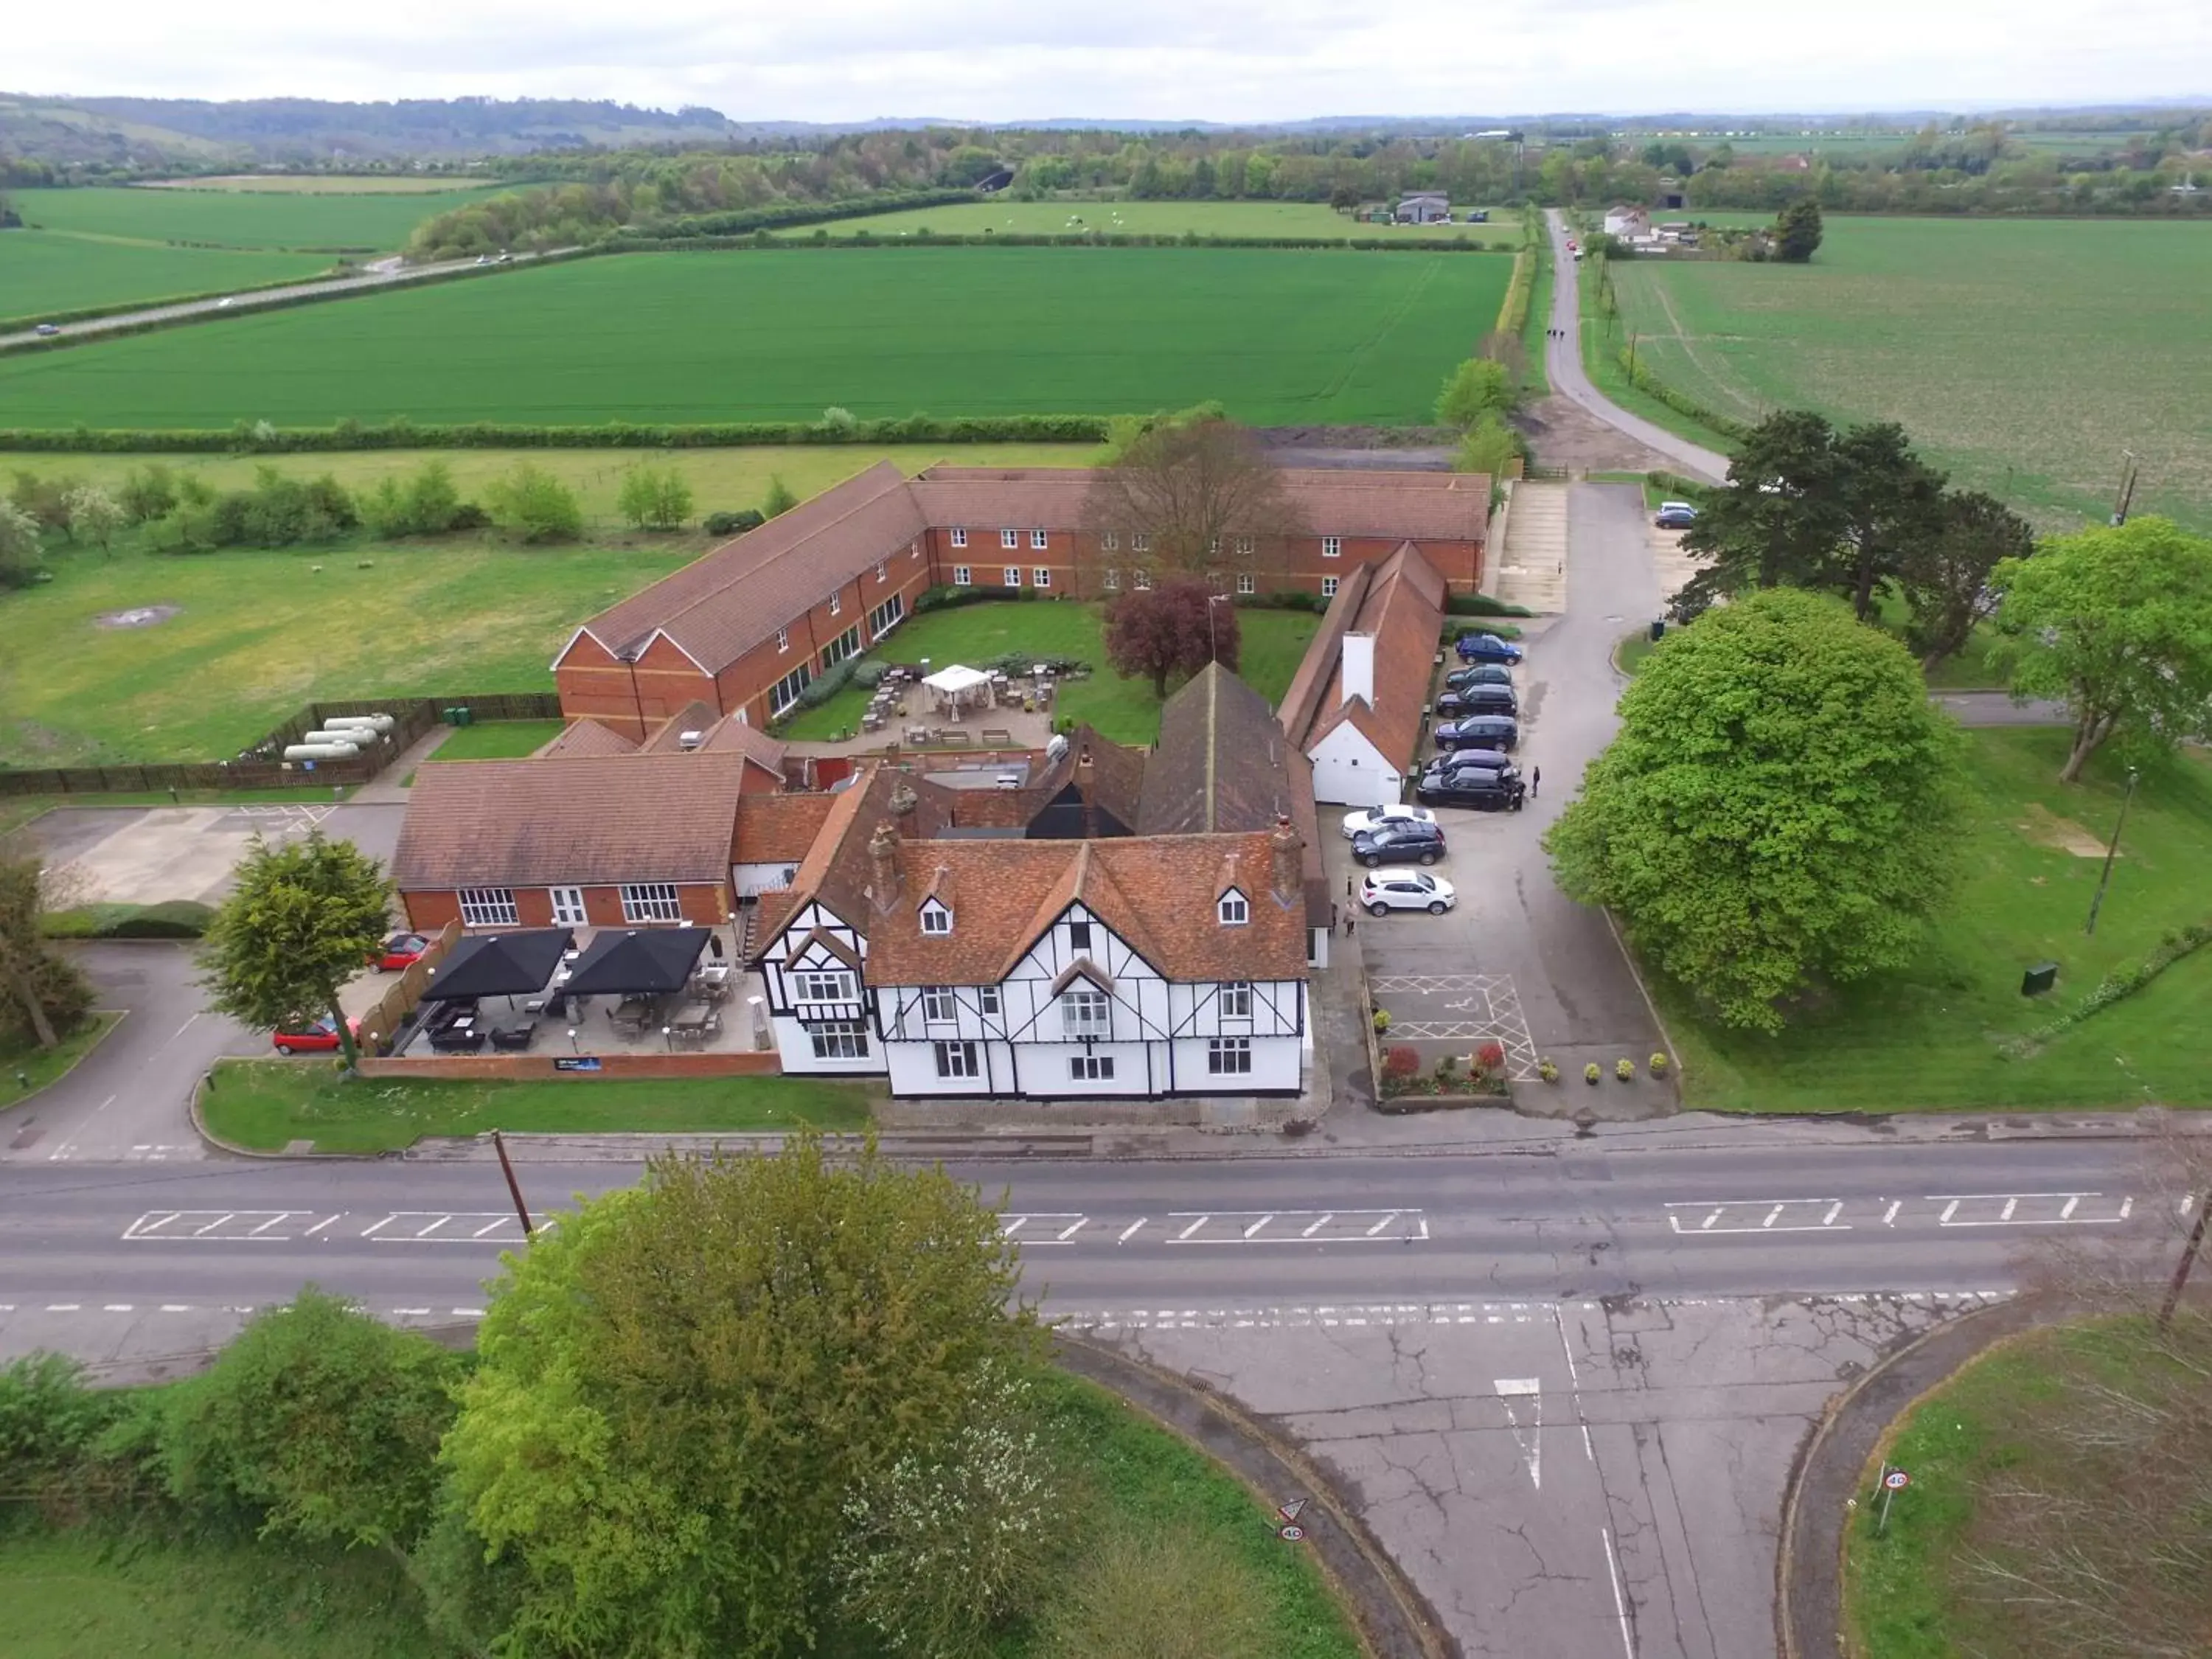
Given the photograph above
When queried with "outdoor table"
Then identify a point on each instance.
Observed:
(461, 1035)
(693, 1023)
(514, 1034)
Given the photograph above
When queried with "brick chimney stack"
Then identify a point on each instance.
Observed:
(1084, 775)
(1286, 847)
(882, 866)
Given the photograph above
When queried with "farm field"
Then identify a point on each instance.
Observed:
(722, 480)
(2023, 355)
(1280, 337)
(1067, 218)
(359, 222)
(324, 184)
(42, 272)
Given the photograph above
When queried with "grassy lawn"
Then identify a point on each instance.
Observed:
(498, 739)
(1907, 1591)
(1070, 218)
(45, 272)
(25, 1070)
(1922, 321)
(317, 221)
(270, 1104)
(1122, 709)
(1928, 1038)
(1280, 337)
(1536, 333)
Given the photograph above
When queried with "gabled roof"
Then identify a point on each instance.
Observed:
(719, 733)
(1219, 763)
(586, 737)
(1400, 602)
(587, 819)
(779, 828)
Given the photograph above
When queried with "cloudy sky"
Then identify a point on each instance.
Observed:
(1223, 60)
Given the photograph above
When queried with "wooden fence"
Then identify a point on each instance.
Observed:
(378, 1023)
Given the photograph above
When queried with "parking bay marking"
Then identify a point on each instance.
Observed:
(1297, 1226)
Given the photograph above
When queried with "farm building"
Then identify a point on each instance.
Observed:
(1627, 222)
(1423, 209)
(747, 628)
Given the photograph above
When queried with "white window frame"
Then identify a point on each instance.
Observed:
(887, 616)
(1229, 1056)
(1237, 1000)
(821, 985)
(1140, 541)
(1113, 579)
(784, 694)
(1328, 587)
(986, 999)
(884, 572)
(1248, 583)
(1086, 1012)
(846, 644)
(1078, 941)
(651, 901)
(783, 638)
(1091, 1068)
(1233, 909)
(1244, 546)
(959, 537)
(1110, 541)
(1332, 547)
(1213, 546)
(1010, 538)
(840, 1039)
(836, 601)
(567, 906)
(936, 920)
(488, 907)
(939, 1005)
(1040, 576)
(956, 1058)
(1040, 540)
(1011, 575)
(963, 575)
(1142, 581)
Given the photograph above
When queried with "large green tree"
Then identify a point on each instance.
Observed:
(1797, 231)
(1479, 386)
(684, 1391)
(1946, 579)
(303, 917)
(44, 995)
(1190, 493)
(2117, 625)
(1776, 811)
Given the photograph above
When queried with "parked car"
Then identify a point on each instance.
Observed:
(1483, 790)
(1462, 760)
(47, 328)
(310, 1037)
(1417, 839)
(1478, 731)
(1477, 700)
(1486, 647)
(400, 950)
(1481, 673)
(1374, 818)
(1676, 515)
(1385, 890)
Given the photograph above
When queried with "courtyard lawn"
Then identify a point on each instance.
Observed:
(1278, 337)
(2023, 355)
(1929, 1038)
(1122, 709)
(498, 739)
(323, 221)
(267, 1104)
(1076, 218)
(45, 273)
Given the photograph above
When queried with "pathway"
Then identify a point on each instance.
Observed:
(1532, 569)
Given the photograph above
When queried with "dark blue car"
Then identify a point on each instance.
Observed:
(1486, 647)
(1478, 731)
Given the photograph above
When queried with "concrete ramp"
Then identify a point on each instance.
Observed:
(1532, 563)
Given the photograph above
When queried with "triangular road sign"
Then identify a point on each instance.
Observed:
(1291, 1511)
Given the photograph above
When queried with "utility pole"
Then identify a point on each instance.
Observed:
(1631, 354)
(2126, 497)
(2111, 851)
(2188, 1259)
(513, 1187)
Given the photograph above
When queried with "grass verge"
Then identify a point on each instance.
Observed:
(497, 740)
(1929, 1037)
(267, 1104)
(25, 1070)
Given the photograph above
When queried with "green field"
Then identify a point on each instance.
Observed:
(316, 221)
(1153, 219)
(324, 184)
(44, 272)
(1124, 710)
(1280, 338)
(1928, 1037)
(2024, 355)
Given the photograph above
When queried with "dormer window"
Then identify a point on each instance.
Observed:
(935, 918)
(1232, 909)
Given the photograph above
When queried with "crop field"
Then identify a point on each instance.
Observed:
(322, 183)
(313, 220)
(1280, 337)
(2025, 354)
(1153, 219)
(44, 271)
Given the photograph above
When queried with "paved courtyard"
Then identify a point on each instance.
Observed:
(152, 855)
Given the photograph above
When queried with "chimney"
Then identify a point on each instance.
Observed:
(1358, 670)
(882, 866)
(1289, 867)
(903, 800)
(1083, 774)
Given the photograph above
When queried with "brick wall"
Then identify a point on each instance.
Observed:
(480, 1067)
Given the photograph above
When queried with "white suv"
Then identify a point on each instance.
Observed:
(1385, 890)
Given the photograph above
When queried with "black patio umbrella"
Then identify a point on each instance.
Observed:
(499, 965)
(645, 963)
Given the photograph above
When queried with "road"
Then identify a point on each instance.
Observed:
(254, 300)
(1563, 363)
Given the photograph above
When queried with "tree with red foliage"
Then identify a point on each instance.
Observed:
(1175, 627)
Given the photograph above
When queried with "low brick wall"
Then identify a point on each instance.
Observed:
(478, 1067)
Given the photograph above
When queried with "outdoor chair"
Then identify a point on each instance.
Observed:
(517, 1036)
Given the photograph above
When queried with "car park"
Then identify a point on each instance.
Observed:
(1486, 647)
(1478, 699)
(1462, 760)
(1483, 790)
(319, 1037)
(1385, 890)
(1415, 839)
(1480, 673)
(400, 950)
(1676, 515)
(1373, 818)
(1478, 731)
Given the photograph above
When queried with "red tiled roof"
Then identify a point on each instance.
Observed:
(586, 737)
(1402, 606)
(588, 820)
(717, 731)
(773, 829)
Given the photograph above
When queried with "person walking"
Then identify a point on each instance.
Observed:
(1535, 781)
(1349, 918)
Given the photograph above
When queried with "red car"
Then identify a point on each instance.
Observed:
(315, 1037)
(400, 950)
